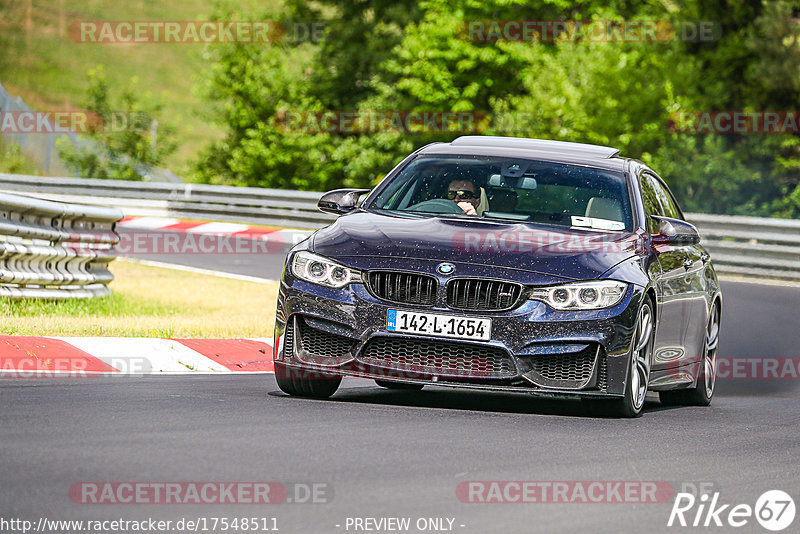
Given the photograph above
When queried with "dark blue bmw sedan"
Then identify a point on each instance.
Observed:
(510, 264)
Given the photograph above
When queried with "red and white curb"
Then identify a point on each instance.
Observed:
(166, 224)
(27, 356)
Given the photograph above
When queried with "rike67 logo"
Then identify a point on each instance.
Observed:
(774, 510)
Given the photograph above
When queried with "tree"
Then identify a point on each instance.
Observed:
(120, 143)
(379, 55)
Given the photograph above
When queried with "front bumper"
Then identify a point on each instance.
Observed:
(534, 349)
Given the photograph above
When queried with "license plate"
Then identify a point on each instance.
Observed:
(474, 328)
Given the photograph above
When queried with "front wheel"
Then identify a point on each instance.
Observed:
(306, 383)
(630, 405)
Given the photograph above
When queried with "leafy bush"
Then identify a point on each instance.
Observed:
(13, 161)
(121, 143)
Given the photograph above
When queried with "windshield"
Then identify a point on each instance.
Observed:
(512, 189)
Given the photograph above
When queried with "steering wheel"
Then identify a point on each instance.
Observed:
(437, 205)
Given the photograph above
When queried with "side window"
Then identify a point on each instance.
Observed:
(664, 198)
(651, 204)
(673, 205)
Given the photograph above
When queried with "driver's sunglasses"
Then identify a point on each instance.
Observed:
(462, 193)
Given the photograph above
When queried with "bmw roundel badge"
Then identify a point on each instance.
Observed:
(445, 268)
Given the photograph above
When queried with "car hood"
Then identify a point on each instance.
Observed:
(575, 254)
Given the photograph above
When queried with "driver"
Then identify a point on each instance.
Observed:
(465, 194)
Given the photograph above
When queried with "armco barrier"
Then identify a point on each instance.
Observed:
(252, 205)
(751, 246)
(748, 246)
(55, 250)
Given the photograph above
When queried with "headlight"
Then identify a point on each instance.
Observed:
(322, 271)
(581, 295)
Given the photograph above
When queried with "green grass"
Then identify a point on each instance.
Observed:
(151, 302)
(13, 161)
(40, 63)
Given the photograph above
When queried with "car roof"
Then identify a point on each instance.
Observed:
(539, 149)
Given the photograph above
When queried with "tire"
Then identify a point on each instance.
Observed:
(703, 390)
(306, 383)
(388, 384)
(638, 377)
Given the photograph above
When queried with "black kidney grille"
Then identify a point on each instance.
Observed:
(406, 288)
(441, 358)
(319, 346)
(478, 294)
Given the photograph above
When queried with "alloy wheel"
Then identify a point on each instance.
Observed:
(712, 344)
(640, 356)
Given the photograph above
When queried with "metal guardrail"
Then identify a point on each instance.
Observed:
(54, 250)
(748, 246)
(751, 246)
(252, 205)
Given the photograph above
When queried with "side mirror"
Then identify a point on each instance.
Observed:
(340, 201)
(676, 231)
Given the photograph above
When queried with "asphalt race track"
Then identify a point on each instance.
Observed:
(260, 265)
(403, 454)
(383, 453)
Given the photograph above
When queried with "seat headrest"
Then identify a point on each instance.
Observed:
(483, 205)
(604, 208)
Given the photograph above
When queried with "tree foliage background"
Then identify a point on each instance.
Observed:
(120, 146)
(402, 55)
